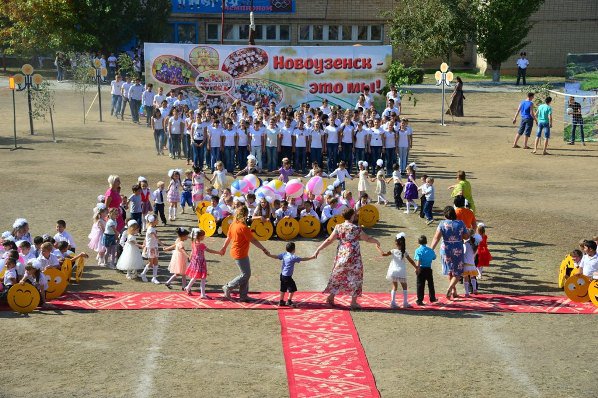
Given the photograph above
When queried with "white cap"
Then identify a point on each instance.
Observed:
(141, 178)
(131, 223)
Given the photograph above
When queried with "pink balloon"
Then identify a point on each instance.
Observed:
(294, 189)
(315, 185)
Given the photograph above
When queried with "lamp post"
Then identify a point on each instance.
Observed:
(28, 81)
(100, 73)
(443, 78)
(12, 87)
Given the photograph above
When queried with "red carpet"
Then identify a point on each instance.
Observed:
(310, 300)
(324, 356)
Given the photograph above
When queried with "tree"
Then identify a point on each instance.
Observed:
(432, 28)
(502, 26)
(152, 20)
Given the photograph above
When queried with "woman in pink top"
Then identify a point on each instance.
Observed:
(113, 200)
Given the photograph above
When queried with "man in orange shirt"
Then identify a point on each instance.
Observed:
(463, 213)
(240, 236)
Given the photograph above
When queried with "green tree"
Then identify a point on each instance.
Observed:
(432, 28)
(152, 20)
(502, 26)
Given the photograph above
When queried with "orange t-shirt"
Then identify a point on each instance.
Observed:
(467, 216)
(240, 236)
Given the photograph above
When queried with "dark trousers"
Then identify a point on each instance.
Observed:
(397, 194)
(286, 152)
(521, 75)
(347, 152)
(573, 132)
(428, 206)
(159, 210)
(137, 217)
(422, 203)
(425, 275)
(300, 158)
(332, 153)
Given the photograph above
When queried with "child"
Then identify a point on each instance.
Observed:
(341, 174)
(131, 259)
(424, 257)
(10, 276)
(484, 257)
(428, 192)
(178, 261)
(470, 272)
(219, 176)
(198, 268)
(251, 167)
(150, 249)
(135, 204)
(199, 179)
(397, 270)
(173, 193)
(63, 235)
(21, 230)
(422, 198)
(308, 210)
(97, 231)
(398, 185)
(159, 195)
(364, 199)
(47, 259)
(315, 171)
(410, 190)
(285, 171)
(362, 184)
(146, 204)
(110, 237)
(288, 261)
(380, 183)
(186, 197)
(25, 249)
(37, 278)
(251, 203)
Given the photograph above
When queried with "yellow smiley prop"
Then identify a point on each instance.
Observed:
(309, 227)
(287, 228)
(67, 269)
(333, 222)
(368, 216)
(563, 271)
(207, 223)
(593, 292)
(262, 230)
(23, 298)
(576, 288)
(80, 268)
(201, 207)
(56, 283)
(226, 224)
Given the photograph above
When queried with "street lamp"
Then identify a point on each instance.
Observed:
(443, 78)
(28, 81)
(100, 74)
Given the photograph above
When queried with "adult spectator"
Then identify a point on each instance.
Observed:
(463, 187)
(528, 115)
(112, 200)
(239, 236)
(405, 135)
(522, 64)
(452, 232)
(456, 105)
(112, 60)
(158, 98)
(135, 95)
(463, 213)
(347, 272)
(544, 124)
(577, 120)
(394, 95)
(125, 96)
(116, 86)
(147, 99)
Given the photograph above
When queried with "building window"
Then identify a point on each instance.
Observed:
(304, 32)
(347, 32)
(240, 32)
(317, 32)
(375, 33)
(368, 33)
(362, 33)
(184, 32)
(213, 31)
(284, 32)
(333, 33)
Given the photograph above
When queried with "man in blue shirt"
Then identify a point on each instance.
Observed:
(287, 284)
(424, 257)
(528, 115)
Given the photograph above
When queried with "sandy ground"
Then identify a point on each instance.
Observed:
(536, 209)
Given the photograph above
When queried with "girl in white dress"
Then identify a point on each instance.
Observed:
(362, 184)
(131, 260)
(397, 270)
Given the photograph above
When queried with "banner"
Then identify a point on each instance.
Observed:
(285, 75)
(582, 85)
(233, 6)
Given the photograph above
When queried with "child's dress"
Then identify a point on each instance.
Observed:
(173, 192)
(380, 183)
(198, 187)
(484, 256)
(178, 262)
(362, 184)
(469, 268)
(146, 204)
(220, 179)
(130, 259)
(95, 237)
(410, 189)
(397, 270)
(198, 268)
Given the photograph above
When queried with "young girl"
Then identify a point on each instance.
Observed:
(251, 167)
(219, 177)
(362, 184)
(21, 230)
(37, 278)
(173, 192)
(341, 174)
(285, 171)
(398, 185)
(146, 204)
(199, 179)
(315, 171)
(198, 268)
(110, 237)
(380, 183)
(131, 260)
(484, 256)
(178, 261)
(97, 230)
(150, 249)
(470, 272)
(397, 270)
(410, 190)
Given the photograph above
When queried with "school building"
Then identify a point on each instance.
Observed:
(560, 27)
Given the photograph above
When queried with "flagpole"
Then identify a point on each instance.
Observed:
(222, 24)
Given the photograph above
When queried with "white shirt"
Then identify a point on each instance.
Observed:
(229, 137)
(156, 196)
(197, 129)
(332, 133)
(305, 213)
(272, 136)
(589, 265)
(360, 137)
(65, 237)
(326, 110)
(340, 174)
(116, 87)
(151, 238)
(388, 111)
(110, 227)
(125, 89)
(112, 61)
(136, 92)
(10, 274)
(396, 98)
(347, 134)
(52, 260)
(158, 99)
(327, 213)
(243, 139)
(368, 101)
(158, 122)
(287, 134)
(404, 137)
(300, 137)
(316, 138)
(175, 125)
(522, 63)
(389, 138)
(376, 135)
(179, 103)
(468, 254)
(256, 136)
(147, 98)
(215, 133)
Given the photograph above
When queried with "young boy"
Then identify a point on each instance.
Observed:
(63, 236)
(186, 198)
(544, 116)
(135, 204)
(589, 262)
(25, 248)
(422, 199)
(424, 257)
(47, 258)
(287, 284)
(159, 196)
(428, 192)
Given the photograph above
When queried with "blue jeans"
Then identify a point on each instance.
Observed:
(580, 131)
(390, 160)
(332, 150)
(214, 157)
(229, 158)
(347, 152)
(316, 155)
(428, 205)
(187, 152)
(300, 158)
(272, 158)
(148, 114)
(116, 104)
(175, 142)
(526, 126)
(123, 106)
(198, 154)
(159, 139)
(403, 157)
(543, 126)
(242, 157)
(135, 104)
(359, 155)
(374, 156)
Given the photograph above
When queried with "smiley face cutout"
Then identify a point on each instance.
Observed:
(593, 292)
(309, 227)
(576, 288)
(262, 230)
(368, 216)
(23, 298)
(201, 207)
(226, 224)
(56, 283)
(207, 223)
(333, 222)
(287, 228)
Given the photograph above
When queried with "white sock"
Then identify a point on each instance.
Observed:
(174, 212)
(190, 284)
(466, 286)
(144, 272)
(407, 207)
(202, 287)
(128, 273)
(155, 271)
(474, 284)
(171, 278)
(405, 297)
(393, 294)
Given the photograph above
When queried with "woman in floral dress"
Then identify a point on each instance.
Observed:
(347, 273)
(452, 232)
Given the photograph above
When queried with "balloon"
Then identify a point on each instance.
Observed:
(239, 187)
(315, 185)
(294, 189)
(276, 185)
(252, 181)
(265, 192)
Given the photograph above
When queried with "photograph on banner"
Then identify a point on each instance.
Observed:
(233, 6)
(221, 74)
(582, 85)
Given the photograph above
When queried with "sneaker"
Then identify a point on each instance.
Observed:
(281, 303)
(393, 305)
(290, 303)
(226, 291)
(143, 277)
(406, 212)
(155, 281)
(429, 222)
